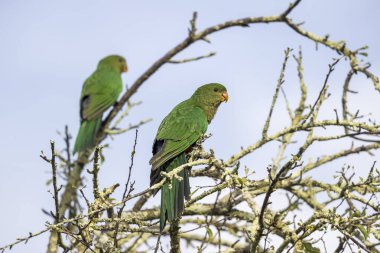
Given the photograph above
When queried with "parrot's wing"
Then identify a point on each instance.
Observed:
(97, 96)
(94, 105)
(177, 132)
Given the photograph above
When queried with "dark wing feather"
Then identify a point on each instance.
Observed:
(83, 105)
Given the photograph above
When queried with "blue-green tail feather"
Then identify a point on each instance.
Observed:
(86, 135)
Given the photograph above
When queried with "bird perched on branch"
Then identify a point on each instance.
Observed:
(99, 92)
(176, 135)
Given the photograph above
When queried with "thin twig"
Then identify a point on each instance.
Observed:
(193, 59)
(279, 83)
(127, 189)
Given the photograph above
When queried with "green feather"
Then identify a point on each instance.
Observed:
(100, 91)
(176, 135)
(173, 198)
(86, 135)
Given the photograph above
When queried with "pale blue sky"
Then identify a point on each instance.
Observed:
(48, 48)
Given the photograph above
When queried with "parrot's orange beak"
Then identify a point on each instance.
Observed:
(224, 96)
(124, 68)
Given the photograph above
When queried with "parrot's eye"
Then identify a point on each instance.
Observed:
(120, 59)
(216, 89)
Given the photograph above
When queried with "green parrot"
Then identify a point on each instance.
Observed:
(99, 92)
(176, 135)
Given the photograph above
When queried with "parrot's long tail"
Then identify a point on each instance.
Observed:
(173, 194)
(86, 135)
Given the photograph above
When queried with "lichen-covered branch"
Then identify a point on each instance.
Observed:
(234, 212)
